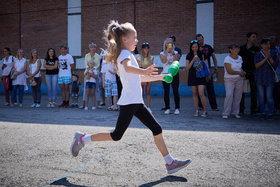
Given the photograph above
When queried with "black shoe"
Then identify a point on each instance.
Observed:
(215, 109)
(263, 117)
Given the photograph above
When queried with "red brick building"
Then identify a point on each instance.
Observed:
(42, 24)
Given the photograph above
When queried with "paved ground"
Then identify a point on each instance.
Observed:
(34, 149)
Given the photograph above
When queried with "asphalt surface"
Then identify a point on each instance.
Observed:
(35, 148)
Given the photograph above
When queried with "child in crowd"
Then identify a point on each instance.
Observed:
(110, 85)
(75, 90)
(90, 78)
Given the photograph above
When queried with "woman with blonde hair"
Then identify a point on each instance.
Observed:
(34, 75)
(19, 77)
(145, 60)
(167, 56)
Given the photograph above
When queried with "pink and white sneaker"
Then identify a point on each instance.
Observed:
(176, 165)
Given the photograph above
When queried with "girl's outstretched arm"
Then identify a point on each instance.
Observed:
(151, 70)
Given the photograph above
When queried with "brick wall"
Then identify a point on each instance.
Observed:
(233, 19)
(9, 29)
(43, 25)
(154, 21)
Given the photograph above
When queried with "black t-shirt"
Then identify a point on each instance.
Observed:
(248, 56)
(207, 52)
(51, 62)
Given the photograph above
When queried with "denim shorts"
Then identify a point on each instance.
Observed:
(91, 85)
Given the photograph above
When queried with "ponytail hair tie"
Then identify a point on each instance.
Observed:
(117, 26)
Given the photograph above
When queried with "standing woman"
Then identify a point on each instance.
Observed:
(19, 69)
(265, 63)
(197, 84)
(145, 60)
(167, 56)
(7, 67)
(234, 77)
(51, 63)
(34, 74)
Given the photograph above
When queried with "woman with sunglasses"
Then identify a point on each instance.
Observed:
(197, 84)
(145, 60)
(167, 56)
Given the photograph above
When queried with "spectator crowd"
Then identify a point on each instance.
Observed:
(249, 68)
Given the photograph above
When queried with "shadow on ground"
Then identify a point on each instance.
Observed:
(170, 178)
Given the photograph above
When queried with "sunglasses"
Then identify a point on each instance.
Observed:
(145, 44)
(193, 41)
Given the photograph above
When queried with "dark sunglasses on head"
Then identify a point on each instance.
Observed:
(145, 44)
(193, 41)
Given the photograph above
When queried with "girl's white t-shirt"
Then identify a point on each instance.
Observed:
(64, 67)
(236, 65)
(169, 60)
(9, 64)
(132, 90)
(33, 68)
(91, 78)
(105, 69)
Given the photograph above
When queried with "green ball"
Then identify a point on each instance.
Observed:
(168, 78)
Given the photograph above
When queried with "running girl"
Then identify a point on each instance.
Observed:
(121, 41)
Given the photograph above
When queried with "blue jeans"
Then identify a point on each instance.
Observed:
(20, 89)
(268, 92)
(52, 84)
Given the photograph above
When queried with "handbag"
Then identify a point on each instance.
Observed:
(275, 74)
(246, 86)
(204, 72)
(33, 82)
(13, 76)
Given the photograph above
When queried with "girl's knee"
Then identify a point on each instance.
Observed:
(116, 136)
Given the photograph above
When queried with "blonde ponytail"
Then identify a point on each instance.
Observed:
(112, 36)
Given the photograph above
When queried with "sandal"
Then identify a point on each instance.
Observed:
(109, 109)
(196, 114)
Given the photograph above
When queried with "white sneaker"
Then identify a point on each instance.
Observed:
(86, 108)
(53, 104)
(237, 116)
(225, 116)
(33, 106)
(93, 108)
(149, 109)
(167, 111)
(49, 105)
(81, 107)
(38, 105)
(177, 111)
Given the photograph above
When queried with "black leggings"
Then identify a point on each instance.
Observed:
(125, 117)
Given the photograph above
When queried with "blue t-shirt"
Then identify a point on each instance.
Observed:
(265, 75)
(75, 86)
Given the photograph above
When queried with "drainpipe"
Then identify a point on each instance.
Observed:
(20, 7)
(134, 14)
